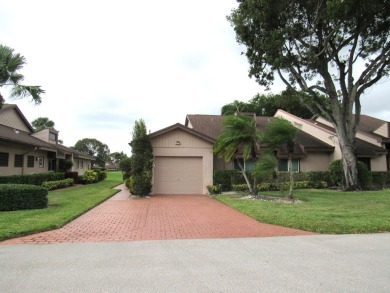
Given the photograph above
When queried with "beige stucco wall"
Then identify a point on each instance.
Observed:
(86, 165)
(15, 149)
(190, 146)
(379, 163)
(315, 162)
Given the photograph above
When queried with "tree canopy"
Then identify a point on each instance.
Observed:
(141, 160)
(42, 123)
(333, 48)
(267, 105)
(95, 148)
(10, 64)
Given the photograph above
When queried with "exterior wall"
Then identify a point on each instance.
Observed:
(16, 149)
(221, 164)
(383, 130)
(11, 118)
(190, 146)
(379, 163)
(44, 135)
(315, 162)
(81, 165)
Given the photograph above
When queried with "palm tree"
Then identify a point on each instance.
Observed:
(239, 134)
(280, 132)
(42, 123)
(10, 64)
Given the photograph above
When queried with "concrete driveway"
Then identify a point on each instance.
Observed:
(160, 217)
(318, 263)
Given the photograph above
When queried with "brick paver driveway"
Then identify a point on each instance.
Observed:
(160, 217)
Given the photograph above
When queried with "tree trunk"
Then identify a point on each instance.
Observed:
(242, 168)
(350, 167)
(290, 192)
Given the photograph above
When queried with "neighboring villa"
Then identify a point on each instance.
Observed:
(24, 151)
(184, 159)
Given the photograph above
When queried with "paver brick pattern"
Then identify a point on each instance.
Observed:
(159, 217)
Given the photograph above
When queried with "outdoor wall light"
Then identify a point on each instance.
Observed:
(178, 142)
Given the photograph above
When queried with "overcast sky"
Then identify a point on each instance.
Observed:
(105, 64)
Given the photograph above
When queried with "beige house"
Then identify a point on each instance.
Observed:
(23, 151)
(184, 159)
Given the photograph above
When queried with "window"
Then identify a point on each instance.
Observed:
(30, 161)
(249, 164)
(4, 159)
(52, 165)
(283, 165)
(82, 164)
(18, 161)
(41, 162)
(78, 164)
(52, 136)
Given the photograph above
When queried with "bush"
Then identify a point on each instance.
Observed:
(33, 179)
(90, 176)
(224, 178)
(281, 186)
(51, 185)
(65, 165)
(101, 174)
(364, 176)
(214, 189)
(73, 175)
(142, 183)
(336, 173)
(22, 197)
(380, 179)
(129, 184)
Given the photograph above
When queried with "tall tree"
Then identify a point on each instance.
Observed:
(280, 133)
(141, 159)
(10, 64)
(95, 148)
(42, 123)
(239, 137)
(267, 105)
(333, 48)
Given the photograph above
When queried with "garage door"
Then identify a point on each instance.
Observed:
(178, 175)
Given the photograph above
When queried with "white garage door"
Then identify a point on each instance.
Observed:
(178, 175)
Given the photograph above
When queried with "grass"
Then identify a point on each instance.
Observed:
(64, 206)
(323, 211)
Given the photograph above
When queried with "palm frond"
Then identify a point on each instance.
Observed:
(22, 91)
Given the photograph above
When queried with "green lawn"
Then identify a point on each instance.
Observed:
(64, 206)
(322, 211)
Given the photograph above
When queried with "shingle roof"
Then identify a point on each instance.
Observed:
(211, 125)
(17, 136)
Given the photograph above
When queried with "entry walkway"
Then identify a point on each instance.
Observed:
(159, 217)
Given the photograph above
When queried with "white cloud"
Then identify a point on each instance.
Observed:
(106, 64)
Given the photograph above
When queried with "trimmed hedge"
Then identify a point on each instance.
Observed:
(22, 197)
(90, 176)
(282, 186)
(51, 185)
(33, 179)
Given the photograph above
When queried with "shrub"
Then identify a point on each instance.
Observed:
(101, 174)
(65, 165)
(364, 176)
(224, 178)
(22, 197)
(33, 179)
(142, 183)
(336, 173)
(51, 185)
(381, 179)
(240, 187)
(73, 175)
(129, 184)
(90, 176)
(214, 189)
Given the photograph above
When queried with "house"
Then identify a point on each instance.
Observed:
(184, 159)
(24, 151)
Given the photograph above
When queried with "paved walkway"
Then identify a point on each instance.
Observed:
(160, 217)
